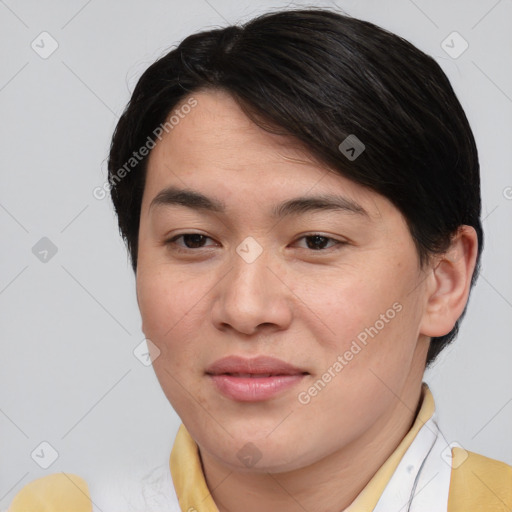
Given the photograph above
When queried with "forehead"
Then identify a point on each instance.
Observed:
(215, 148)
(216, 127)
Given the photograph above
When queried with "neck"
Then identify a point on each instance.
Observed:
(330, 484)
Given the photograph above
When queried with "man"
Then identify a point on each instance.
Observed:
(300, 198)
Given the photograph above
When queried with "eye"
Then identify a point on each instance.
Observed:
(192, 241)
(318, 241)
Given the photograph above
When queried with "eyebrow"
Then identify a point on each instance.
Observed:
(172, 196)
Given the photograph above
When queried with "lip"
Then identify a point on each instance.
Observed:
(255, 365)
(255, 379)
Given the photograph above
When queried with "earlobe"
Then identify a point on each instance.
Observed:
(450, 284)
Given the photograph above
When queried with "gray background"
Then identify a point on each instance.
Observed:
(70, 325)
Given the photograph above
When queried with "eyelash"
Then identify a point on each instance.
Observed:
(178, 248)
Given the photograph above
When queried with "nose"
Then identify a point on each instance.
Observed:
(253, 296)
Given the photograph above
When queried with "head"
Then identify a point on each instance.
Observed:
(297, 104)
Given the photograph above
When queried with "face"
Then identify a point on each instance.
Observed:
(335, 292)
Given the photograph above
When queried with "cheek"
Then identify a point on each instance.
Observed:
(166, 304)
(171, 316)
(348, 302)
(367, 316)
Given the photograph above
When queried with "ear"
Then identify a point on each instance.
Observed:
(449, 284)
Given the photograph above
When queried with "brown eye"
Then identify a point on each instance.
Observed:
(191, 241)
(318, 242)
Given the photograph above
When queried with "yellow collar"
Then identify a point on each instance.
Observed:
(193, 493)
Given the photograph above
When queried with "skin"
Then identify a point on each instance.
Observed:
(296, 302)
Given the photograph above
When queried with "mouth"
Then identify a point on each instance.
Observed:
(258, 375)
(253, 380)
